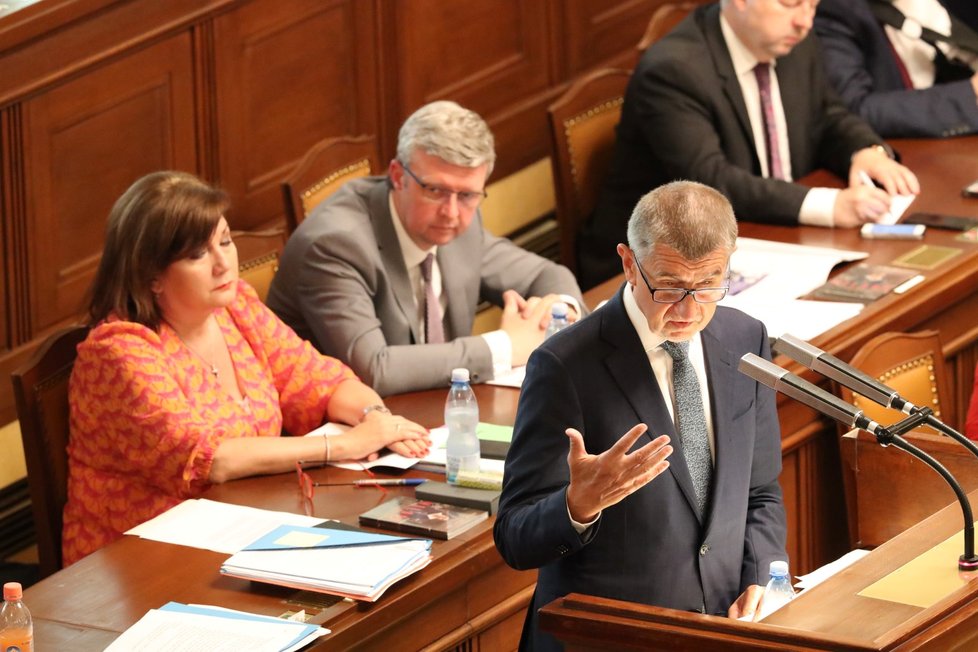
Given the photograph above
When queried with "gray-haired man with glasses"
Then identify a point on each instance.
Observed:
(387, 273)
(644, 466)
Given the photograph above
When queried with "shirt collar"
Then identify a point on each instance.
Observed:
(649, 339)
(742, 58)
(413, 254)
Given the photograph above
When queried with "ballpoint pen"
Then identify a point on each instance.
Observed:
(380, 482)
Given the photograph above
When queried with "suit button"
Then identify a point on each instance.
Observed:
(704, 549)
(562, 549)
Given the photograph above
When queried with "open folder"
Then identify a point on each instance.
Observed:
(358, 565)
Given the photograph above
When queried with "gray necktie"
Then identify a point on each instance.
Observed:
(691, 421)
(434, 332)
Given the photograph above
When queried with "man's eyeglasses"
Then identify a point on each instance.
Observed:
(308, 486)
(675, 295)
(467, 198)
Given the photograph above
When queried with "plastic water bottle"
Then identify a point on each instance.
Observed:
(16, 627)
(462, 418)
(779, 591)
(558, 318)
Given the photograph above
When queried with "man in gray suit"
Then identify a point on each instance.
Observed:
(684, 509)
(387, 273)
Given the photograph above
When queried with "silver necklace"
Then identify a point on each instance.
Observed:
(213, 367)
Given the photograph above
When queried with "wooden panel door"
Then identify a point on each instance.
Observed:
(286, 79)
(87, 141)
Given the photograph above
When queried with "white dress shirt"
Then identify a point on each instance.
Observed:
(819, 203)
(918, 56)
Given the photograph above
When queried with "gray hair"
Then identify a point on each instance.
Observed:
(453, 133)
(689, 217)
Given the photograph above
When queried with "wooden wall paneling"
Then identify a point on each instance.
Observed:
(13, 225)
(596, 34)
(490, 56)
(88, 140)
(284, 80)
(58, 40)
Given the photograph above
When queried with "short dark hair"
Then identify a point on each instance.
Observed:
(159, 219)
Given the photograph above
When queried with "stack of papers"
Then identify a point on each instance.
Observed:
(178, 627)
(352, 564)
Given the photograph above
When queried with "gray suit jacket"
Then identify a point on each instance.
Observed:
(684, 117)
(651, 547)
(342, 284)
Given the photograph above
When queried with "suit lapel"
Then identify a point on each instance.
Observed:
(391, 257)
(460, 263)
(629, 366)
(794, 97)
(725, 70)
(722, 377)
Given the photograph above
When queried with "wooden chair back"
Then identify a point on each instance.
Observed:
(664, 18)
(582, 128)
(327, 166)
(911, 363)
(41, 394)
(258, 255)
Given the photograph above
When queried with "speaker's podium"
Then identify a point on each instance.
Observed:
(906, 594)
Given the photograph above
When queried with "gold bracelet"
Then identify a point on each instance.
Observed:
(326, 444)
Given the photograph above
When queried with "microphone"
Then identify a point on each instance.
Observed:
(832, 367)
(782, 380)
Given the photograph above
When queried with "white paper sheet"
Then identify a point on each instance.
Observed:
(172, 631)
(211, 525)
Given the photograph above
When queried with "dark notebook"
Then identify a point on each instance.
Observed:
(863, 283)
(437, 520)
(484, 499)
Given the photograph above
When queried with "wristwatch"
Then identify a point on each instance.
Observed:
(377, 407)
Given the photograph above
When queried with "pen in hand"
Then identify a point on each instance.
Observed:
(381, 482)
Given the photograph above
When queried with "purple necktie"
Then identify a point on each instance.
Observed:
(763, 74)
(434, 333)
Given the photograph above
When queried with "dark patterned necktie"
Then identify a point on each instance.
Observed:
(434, 332)
(691, 420)
(763, 74)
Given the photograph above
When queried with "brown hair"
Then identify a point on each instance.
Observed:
(161, 218)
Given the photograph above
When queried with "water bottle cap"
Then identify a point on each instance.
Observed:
(460, 375)
(779, 568)
(12, 591)
(559, 309)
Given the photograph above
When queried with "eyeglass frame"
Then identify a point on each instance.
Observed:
(440, 194)
(308, 486)
(686, 291)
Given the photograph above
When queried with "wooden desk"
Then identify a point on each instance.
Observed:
(832, 616)
(467, 596)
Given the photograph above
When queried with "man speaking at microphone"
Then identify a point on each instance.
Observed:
(644, 466)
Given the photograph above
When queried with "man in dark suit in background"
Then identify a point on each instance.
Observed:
(904, 86)
(694, 110)
(622, 516)
(387, 273)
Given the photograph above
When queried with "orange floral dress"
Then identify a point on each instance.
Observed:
(147, 414)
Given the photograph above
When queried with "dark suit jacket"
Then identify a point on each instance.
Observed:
(342, 284)
(684, 117)
(651, 547)
(863, 68)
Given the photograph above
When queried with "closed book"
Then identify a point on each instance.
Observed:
(863, 283)
(441, 492)
(432, 519)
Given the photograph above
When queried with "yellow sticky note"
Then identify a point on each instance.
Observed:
(301, 539)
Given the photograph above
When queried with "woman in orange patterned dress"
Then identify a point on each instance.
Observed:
(187, 379)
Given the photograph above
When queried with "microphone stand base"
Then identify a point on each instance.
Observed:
(968, 564)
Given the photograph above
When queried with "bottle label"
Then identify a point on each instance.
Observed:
(16, 641)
